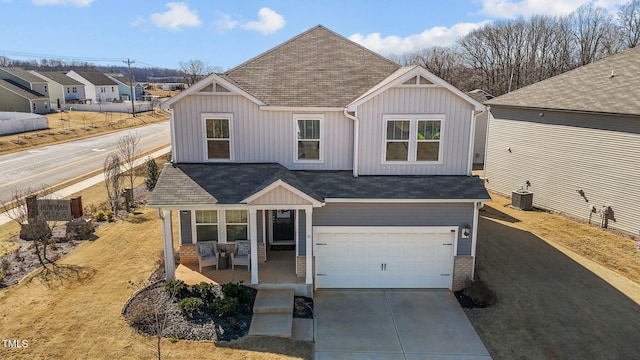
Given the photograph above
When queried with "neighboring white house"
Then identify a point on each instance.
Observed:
(480, 138)
(359, 166)
(62, 89)
(98, 87)
(575, 138)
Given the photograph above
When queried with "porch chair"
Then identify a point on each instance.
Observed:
(207, 254)
(241, 254)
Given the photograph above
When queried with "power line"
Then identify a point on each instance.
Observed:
(77, 58)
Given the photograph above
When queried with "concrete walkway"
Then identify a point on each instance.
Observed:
(393, 324)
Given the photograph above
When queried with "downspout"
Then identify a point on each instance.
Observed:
(356, 139)
(472, 140)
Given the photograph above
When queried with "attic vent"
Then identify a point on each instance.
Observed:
(208, 88)
(220, 88)
(411, 81)
(424, 81)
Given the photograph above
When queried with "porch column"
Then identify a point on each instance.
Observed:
(253, 237)
(309, 245)
(167, 236)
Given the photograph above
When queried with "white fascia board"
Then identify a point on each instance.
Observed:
(301, 108)
(350, 200)
(417, 70)
(204, 83)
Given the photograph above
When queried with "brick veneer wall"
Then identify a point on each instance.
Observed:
(188, 254)
(462, 270)
(301, 266)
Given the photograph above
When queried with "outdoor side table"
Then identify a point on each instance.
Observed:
(223, 261)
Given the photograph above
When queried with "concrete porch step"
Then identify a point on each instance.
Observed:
(274, 324)
(274, 301)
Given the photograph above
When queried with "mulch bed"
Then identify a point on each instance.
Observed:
(303, 307)
(466, 301)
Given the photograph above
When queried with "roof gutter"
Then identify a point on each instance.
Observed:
(356, 138)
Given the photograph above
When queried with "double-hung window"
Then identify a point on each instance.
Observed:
(207, 225)
(308, 142)
(236, 221)
(413, 138)
(218, 137)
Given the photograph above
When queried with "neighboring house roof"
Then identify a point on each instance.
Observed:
(316, 68)
(609, 85)
(202, 184)
(60, 78)
(21, 90)
(24, 74)
(480, 96)
(96, 78)
(124, 80)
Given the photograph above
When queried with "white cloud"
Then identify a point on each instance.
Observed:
(80, 3)
(515, 8)
(177, 16)
(436, 36)
(225, 22)
(268, 23)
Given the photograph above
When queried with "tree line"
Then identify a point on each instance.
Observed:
(506, 55)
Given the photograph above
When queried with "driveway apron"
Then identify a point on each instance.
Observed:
(393, 324)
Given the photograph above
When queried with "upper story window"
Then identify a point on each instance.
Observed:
(218, 137)
(75, 90)
(308, 141)
(69, 90)
(45, 89)
(413, 138)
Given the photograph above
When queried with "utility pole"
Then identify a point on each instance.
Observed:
(133, 94)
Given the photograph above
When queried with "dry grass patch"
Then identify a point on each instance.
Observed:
(76, 125)
(607, 248)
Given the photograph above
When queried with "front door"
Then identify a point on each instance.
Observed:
(284, 227)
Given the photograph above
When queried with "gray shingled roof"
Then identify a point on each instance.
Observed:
(21, 90)
(60, 78)
(315, 68)
(96, 78)
(199, 184)
(24, 74)
(588, 88)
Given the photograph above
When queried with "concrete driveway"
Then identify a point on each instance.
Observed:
(393, 325)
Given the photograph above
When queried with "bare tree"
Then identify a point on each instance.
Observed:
(194, 70)
(32, 228)
(113, 180)
(594, 32)
(128, 152)
(629, 23)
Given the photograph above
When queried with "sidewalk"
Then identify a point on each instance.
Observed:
(81, 185)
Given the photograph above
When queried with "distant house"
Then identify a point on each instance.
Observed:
(575, 138)
(36, 87)
(14, 97)
(98, 87)
(480, 138)
(125, 88)
(62, 89)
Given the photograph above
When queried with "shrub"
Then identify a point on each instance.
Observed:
(480, 293)
(236, 290)
(191, 306)
(204, 291)
(224, 306)
(152, 174)
(177, 289)
(103, 215)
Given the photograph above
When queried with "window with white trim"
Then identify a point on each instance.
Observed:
(308, 141)
(206, 225)
(218, 137)
(236, 225)
(413, 138)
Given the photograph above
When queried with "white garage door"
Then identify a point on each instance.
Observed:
(384, 257)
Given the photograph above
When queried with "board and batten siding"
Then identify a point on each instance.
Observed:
(560, 153)
(398, 214)
(456, 130)
(259, 136)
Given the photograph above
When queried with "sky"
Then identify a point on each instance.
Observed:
(226, 33)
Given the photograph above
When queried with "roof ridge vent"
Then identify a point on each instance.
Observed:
(612, 75)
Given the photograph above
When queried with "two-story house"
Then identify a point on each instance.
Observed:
(62, 89)
(361, 166)
(124, 87)
(98, 87)
(22, 91)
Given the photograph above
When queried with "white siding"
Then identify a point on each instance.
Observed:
(559, 159)
(456, 130)
(258, 136)
(480, 140)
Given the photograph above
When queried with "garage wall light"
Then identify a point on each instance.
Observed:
(466, 232)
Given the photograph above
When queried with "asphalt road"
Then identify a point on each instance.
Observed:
(55, 164)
